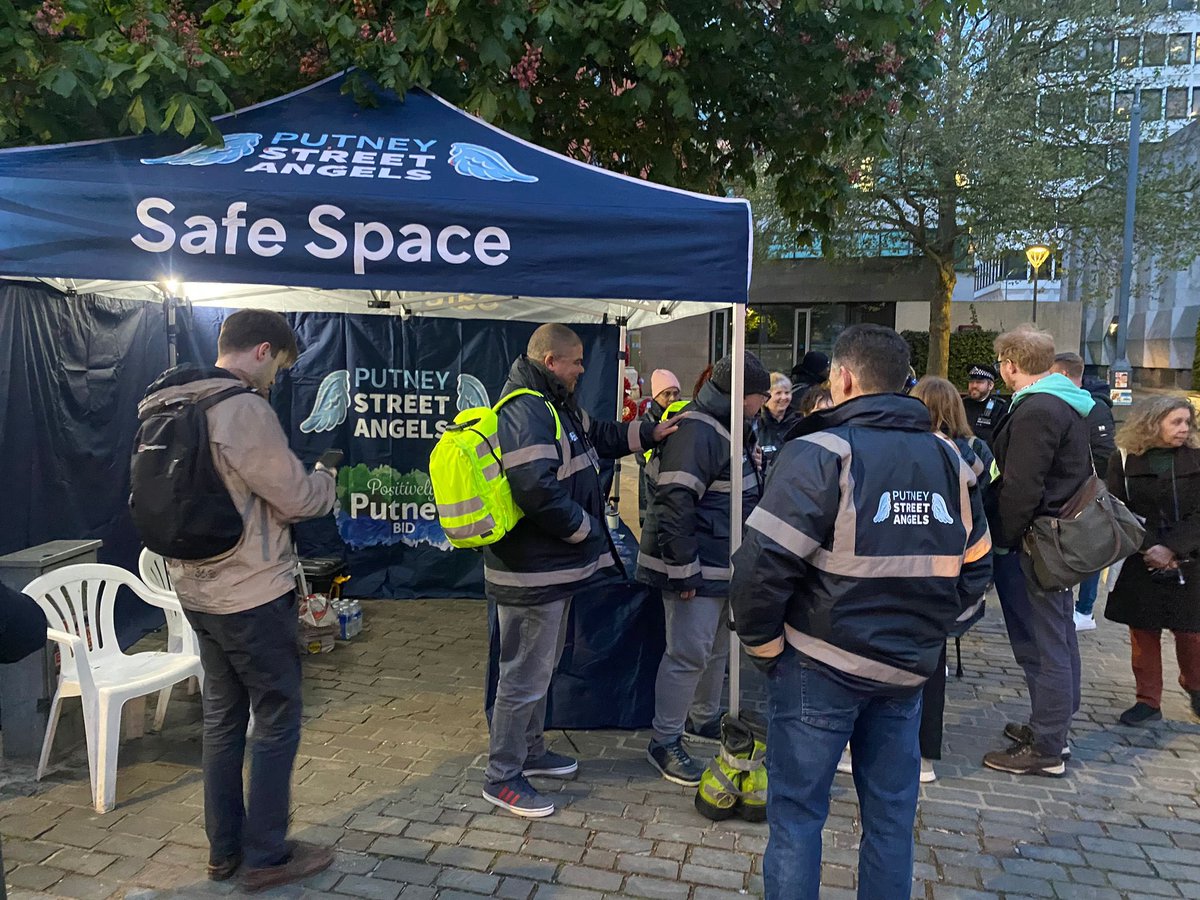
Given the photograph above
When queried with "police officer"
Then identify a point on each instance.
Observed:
(985, 408)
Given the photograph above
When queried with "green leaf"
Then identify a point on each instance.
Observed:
(136, 115)
(646, 53)
(345, 26)
(491, 53)
(186, 121)
(64, 83)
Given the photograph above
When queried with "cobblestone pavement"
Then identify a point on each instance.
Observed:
(391, 761)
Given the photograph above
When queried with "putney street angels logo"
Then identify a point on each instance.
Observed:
(236, 147)
(912, 508)
(332, 403)
(485, 164)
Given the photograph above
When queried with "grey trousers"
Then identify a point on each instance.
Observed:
(531, 641)
(691, 675)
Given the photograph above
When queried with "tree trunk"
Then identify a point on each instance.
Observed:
(939, 320)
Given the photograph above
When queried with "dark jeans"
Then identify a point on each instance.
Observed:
(1088, 589)
(1041, 630)
(812, 716)
(251, 659)
(933, 709)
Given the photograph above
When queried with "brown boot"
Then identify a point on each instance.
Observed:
(306, 860)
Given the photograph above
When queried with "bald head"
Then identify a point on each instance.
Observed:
(559, 350)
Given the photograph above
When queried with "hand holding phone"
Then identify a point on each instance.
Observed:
(331, 459)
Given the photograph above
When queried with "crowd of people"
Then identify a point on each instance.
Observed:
(877, 513)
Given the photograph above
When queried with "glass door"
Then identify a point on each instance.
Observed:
(802, 335)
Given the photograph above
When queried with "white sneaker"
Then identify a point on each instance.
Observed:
(844, 765)
(927, 773)
(1085, 623)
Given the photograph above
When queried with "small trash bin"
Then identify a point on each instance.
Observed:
(27, 687)
(324, 575)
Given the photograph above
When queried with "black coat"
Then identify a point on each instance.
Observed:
(1137, 600)
(22, 626)
(770, 432)
(1102, 430)
(984, 415)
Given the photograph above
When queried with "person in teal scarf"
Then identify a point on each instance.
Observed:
(1042, 460)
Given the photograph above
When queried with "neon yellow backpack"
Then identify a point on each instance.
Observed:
(473, 497)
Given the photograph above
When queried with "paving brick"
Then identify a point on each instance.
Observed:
(522, 867)
(552, 850)
(717, 877)
(370, 888)
(596, 879)
(656, 888)
(466, 880)
(648, 865)
(34, 877)
(407, 872)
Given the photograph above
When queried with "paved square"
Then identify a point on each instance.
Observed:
(392, 758)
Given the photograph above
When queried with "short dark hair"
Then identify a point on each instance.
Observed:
(247, 328)
(877, 356)
(1070, 363)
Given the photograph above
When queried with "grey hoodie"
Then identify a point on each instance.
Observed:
(271, 487)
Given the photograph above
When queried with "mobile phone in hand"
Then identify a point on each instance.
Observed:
(331, 459)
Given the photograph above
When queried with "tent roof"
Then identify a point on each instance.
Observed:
(409, 196)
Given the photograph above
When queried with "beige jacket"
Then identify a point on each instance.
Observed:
(271, 487)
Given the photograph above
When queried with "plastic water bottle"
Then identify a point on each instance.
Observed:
(344, 619)
(357, 617)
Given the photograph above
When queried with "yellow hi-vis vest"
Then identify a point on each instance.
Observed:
(473, 497)
(677, 406)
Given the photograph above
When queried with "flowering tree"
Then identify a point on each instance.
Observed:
(699, 95)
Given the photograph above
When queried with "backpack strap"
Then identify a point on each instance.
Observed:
(213, 399)
(529, 392)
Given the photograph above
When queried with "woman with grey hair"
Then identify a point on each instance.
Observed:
(1157, 474)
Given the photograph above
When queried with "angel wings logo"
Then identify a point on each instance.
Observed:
(332, 403)
(236, 147)
(485, 164)
(912, 508)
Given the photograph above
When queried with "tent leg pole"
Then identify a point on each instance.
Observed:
(623, 331)
(736, 451)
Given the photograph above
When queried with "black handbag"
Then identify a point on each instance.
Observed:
(1093, 531)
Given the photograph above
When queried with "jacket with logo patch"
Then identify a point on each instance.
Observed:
(561, 543)
(869, 546)
(685, 538)
(266, 481)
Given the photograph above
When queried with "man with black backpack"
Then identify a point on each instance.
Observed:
(216, 489)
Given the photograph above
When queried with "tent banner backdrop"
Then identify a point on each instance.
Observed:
(315, 190)
(382, 388)
(74, 370)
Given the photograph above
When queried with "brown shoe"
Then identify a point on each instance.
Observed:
(306, 860)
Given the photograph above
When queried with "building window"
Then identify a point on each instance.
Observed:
(1123, 104)
(1154, 50)
(1099, 108)
(1177, 103)
(1152, 109)
(1075, 56)
(1127, 52)
(1183, 5)
(1179, 50)
(1195, 104)
(1156, 6)
(1102, 53)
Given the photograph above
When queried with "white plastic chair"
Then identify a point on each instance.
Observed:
(153, 569)
(78, 602)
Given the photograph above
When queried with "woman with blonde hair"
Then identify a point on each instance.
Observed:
(1157, 474)
(776, 419)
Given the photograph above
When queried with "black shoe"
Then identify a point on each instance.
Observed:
(224, 869)
(1141, 713)
(709, 732)
(1195, 695)
(1023, 759)
(674, 763)
(1023, 734)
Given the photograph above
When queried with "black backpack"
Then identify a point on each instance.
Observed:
(180, 506)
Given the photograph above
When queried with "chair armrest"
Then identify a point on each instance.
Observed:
(158, 598)
(76, 647)
(74, 642)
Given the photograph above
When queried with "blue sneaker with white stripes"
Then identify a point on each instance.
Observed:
(518, 797)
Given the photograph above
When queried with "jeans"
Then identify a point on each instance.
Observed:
(1041, 630)
(811, 717)
(1088, 589)
(531, 642)
(251, 659)
(691, 675)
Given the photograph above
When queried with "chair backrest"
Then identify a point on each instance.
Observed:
(80, 600)
(153, 569)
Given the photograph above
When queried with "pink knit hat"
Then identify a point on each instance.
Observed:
(661, 379)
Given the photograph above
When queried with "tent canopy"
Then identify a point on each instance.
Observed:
(411, 196)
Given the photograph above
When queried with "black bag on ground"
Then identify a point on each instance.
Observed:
(1093, 531)
(181, 507)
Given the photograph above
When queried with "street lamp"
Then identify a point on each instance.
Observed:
(1037, 254)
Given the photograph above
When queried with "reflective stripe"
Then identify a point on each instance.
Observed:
(975, 607)
(830, 442)
(525, 455)
(721, 487)
(707, 420)
(465, 508)
(573, 465)
(851, 566)
(687, 479)
(581, 532)
(664, 568)
(850, 663)
(483, 526)
(713, 573)
(635, 436)
(787, 536)
(484, 448)
(770, 648)
(977, 468)
(491, 471)
(979, 549)
(546, 579)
